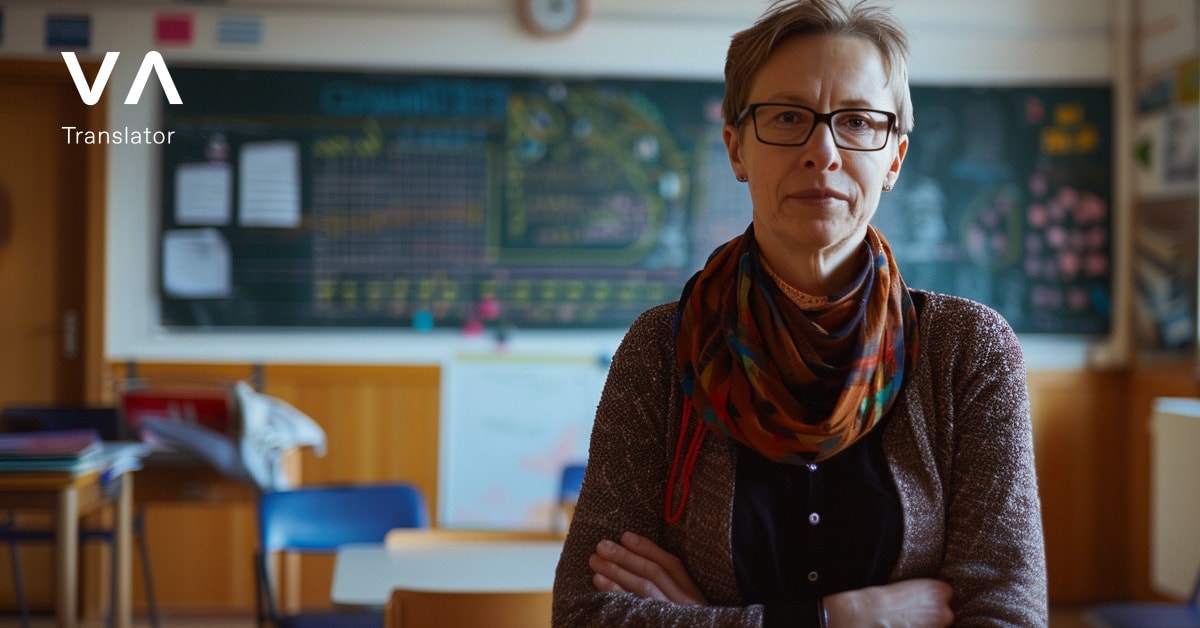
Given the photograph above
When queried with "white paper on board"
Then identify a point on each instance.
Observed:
(269, 184)
(196, 264)
(204, 194)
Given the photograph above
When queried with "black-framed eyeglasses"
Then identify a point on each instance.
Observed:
(781, 124)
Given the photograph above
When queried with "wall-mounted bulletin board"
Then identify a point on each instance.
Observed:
(341, 199)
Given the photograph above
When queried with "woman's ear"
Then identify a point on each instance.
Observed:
(733, 145)
(898, 158)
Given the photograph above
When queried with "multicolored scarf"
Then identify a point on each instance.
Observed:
(755, 375)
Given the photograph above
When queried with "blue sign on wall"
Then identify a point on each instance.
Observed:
(68, 31)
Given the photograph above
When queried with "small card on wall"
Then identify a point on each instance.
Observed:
(68, 31)
(173, 29)
(244, 30)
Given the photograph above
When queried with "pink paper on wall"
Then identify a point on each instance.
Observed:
(173, 29)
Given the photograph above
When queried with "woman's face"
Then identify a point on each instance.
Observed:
(813, 202)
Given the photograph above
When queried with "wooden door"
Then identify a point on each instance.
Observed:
(43, 236)
(51, 274)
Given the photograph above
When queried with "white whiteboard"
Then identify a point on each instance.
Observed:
(509, 424)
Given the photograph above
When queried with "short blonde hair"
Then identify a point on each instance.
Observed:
(785, 19)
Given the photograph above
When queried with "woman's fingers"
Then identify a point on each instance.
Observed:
(638, 566)
(917, 603)
(664, 569)
(602, 583)
(621, 570)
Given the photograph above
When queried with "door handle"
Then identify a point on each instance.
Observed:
(70, 333)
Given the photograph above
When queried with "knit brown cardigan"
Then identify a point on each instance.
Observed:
(958, 443)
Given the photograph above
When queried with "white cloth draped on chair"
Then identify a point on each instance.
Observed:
(269, 427)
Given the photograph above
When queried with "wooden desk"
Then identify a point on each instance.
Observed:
(365, 574)
(71, 496)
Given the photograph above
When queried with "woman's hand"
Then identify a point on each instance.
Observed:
(638, 566)
(917, 603)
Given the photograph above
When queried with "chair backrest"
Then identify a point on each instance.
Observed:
(568, 493)
(572, 480)
(50, 418)
(435, 609)
(320, 518)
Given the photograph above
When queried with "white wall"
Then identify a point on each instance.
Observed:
(954, 42)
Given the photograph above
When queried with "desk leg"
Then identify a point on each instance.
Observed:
(122, 548)
(67, 555)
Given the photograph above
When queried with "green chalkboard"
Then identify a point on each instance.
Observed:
(342, 199)
(1004, 197)
(381, 200)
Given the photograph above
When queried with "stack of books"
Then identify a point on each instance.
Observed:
(75, 451)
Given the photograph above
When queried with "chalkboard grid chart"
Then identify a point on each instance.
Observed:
(436, 201)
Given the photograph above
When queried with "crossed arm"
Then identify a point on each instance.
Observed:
(636, 565)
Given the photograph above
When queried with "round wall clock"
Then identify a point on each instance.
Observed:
(551, 17)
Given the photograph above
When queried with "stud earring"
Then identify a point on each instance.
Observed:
(743, 178)
(887, 186)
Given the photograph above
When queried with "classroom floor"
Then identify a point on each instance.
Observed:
(1059, 618)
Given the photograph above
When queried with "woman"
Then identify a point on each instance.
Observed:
(801, 439)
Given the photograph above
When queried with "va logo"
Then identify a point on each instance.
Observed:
(153, 61)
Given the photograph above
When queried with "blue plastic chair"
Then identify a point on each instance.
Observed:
(107, 422)
(1148, 614)
(572, 480)
(568, 493)
(319, 519)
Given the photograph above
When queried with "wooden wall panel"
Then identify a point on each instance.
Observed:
(381, 422)
(1078, 419)
(202, 557)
